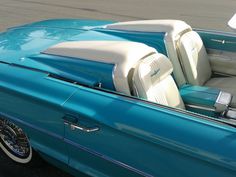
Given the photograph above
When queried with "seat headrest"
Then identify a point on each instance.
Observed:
(155, 68)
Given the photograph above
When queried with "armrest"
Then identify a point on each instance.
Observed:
(198, 95)
(205, 98)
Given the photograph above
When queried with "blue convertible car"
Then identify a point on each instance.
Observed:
(140, 98)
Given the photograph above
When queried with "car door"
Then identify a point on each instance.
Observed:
(112, 135)
(94, 147)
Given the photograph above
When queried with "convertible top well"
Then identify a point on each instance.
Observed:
(123, 54)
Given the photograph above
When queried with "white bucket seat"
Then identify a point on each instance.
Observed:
(184, 47)
(152, 81)
(196, 66)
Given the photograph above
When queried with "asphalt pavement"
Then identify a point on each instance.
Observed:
(8, 168)
(210, 14)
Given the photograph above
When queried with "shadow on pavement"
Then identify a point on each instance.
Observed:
(10, 169)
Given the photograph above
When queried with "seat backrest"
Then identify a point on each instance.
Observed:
(152, 80)
(193, 58)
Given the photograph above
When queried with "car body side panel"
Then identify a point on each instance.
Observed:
(79, 70)
(151, 147)
(124, 140)
(33, 102)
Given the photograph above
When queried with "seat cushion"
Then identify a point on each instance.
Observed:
(194, 58)
(227, 84)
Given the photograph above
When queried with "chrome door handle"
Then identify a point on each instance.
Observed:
(84, 129)
(73, 122)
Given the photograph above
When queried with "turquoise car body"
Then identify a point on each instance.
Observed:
(135, 137)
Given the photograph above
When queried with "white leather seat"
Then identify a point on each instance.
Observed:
(183, 43)
(194, 60)
(152, 80)
(196, 66)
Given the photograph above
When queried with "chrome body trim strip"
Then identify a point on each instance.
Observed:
(107, 158)
(200, 107)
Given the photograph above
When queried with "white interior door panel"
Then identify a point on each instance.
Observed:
(223, 62)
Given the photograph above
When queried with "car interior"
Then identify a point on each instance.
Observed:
(202, 83)
(200, 88)
(193, 64)
(202, 92)
(143, 72)
(152, 80)
(196, 66)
